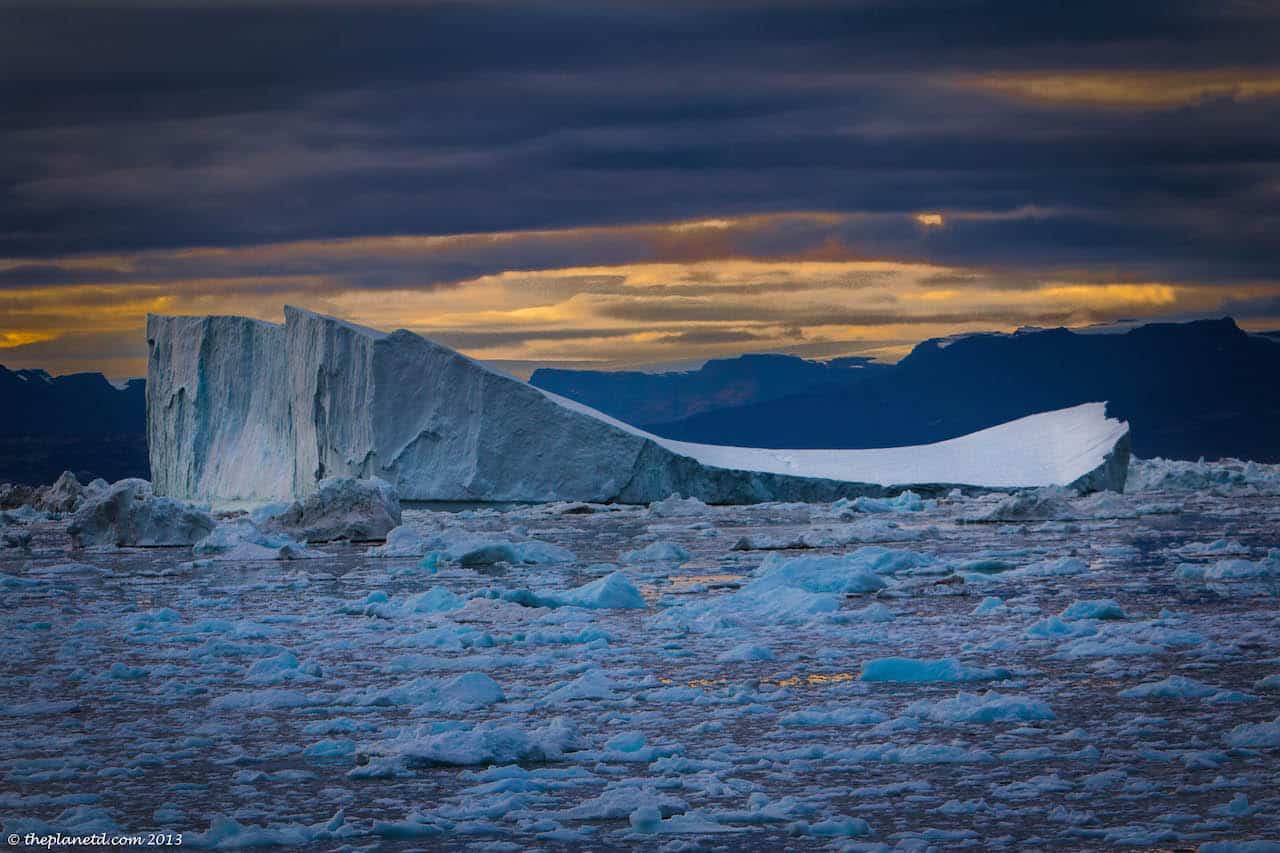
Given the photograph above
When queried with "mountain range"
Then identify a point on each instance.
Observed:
(79, 422)
(1203, 388)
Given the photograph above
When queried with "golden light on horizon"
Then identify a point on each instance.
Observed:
(1129, 89)
(676, 296)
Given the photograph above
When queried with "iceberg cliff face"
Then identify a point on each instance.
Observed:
(238, 409)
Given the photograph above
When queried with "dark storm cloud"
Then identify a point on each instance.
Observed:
(131, 126)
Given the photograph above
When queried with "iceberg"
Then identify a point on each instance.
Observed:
(244, 410)
(130, 514)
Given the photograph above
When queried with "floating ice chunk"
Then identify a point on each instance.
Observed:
(1053, 627)
(1216, 548)
(918, 670)
(341, 508)
(1239, 847)
(675, 506)
(657, 552)
(817, 717)
(645, 819)
(990, 707)
(1173, 687)
(694, 823)
(1043, 504)
(534, 552)
(1102, 648)
(281, 668)
(622, 799)
(872, 613)
(466, 692)
(1233, 569)
(169, 813)
(402, 541)
(865, 530)
(128, 513)
(228, 833)
(262, 513)
(435, 600)
(592, 685)
(797, 589)
(907, 501)
(744, 653)
(240, 539)
(485, 743)
(1172, 475)
(989, 605)
(614, 591)
(836, 827)
(63, 496)
(80, 820)
(858, 571)
(331, 748)
(121, 671)
(1101, 608)
(1060, 567)
(335, 726)
(263, 700)
(1255, 735)
(66, 569)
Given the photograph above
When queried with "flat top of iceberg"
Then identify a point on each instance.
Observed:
(1052, 447)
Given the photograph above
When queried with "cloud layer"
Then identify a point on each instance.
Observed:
(624, 182)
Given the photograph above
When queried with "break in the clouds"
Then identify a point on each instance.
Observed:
(626, 182)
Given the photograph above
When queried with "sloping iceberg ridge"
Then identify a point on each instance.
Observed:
(240, 409)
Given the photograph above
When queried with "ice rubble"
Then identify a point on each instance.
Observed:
(64, 495)
(483, 743)
(243, 410)
(1175, 475)
(341, 508)
(302, 700)
(240, 539)
(1232, 569)
(128, 513)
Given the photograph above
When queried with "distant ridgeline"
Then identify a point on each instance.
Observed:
(79, 422)
(1204, 388)
(1187, 389)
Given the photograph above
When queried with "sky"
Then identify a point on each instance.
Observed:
(616, 183)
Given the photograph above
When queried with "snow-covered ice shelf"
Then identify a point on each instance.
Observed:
(503, 677)
(238, 409)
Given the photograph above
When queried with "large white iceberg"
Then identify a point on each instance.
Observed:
(239, 409)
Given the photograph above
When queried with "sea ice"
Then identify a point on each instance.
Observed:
(915, 670)
(483, 743)
(128, 513)
(239, 539)
(341, 508)
(1103, 608)
(990, 707)
(657, 552)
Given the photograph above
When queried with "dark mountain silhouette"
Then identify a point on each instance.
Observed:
(79, 422)
(1204, 388)
(1188, 390)
(641, 398)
